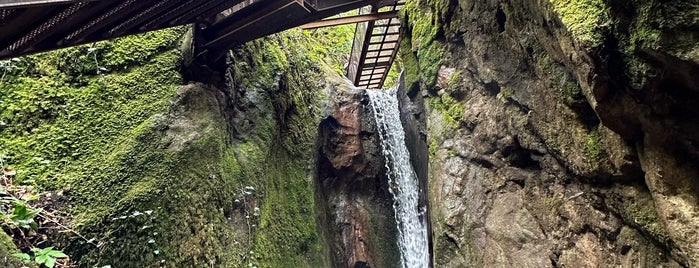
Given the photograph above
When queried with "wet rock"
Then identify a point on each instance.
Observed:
(576, 146)
(351, 178)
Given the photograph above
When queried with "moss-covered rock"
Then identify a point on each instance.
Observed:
(160, 174)
(585, 19)
(7, 248)
(424, 41)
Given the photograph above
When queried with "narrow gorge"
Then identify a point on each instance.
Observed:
(542, 133)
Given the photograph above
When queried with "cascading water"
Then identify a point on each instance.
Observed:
(403, 182)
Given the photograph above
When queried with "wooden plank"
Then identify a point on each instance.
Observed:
(351, 19)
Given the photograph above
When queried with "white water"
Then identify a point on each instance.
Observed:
(402, 179)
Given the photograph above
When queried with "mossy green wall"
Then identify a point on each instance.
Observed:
(164, 174)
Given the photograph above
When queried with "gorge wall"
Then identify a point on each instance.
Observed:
(156, 169)
(561, 133)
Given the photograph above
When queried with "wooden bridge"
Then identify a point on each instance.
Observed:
(30, 26)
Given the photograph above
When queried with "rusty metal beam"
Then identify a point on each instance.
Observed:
(350, 19)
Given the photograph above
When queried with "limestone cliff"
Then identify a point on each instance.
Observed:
(562, 133)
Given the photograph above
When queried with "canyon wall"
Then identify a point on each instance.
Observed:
(561, 133)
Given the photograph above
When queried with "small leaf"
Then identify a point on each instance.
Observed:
(40, 259)
(50, 262)
(23, 256)
(57, 254)
(44, 251)
(33, 212)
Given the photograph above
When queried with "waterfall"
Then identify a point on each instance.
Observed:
(402, 180)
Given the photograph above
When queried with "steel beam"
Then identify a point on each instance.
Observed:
(350, 19)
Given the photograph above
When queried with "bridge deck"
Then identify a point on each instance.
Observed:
(30, 26)
(375, 47)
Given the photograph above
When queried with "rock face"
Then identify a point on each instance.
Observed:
(561, 133)
(161, 172)
(352, 181)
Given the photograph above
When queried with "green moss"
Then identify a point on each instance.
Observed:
(455, 80)
(7, 248)
(410, 65)
(593, 147)
(651, 25)
(393, 74)
(135, 169)
(288, 233)
(100, 136)
(55, 111)
(644, 216)
(431, 58)
(424, 27)
(584, 19)
(451, 109)
(642, 212)
(433, 146)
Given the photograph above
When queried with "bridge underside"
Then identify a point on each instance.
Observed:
(30, 26)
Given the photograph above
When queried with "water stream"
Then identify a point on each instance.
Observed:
(403, 181)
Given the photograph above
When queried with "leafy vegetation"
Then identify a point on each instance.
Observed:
(22, 215)
(19, 219)
(46, 256)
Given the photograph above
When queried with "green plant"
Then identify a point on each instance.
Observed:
(22, 215)
(592, 146)
(46, 256)
(7, 66)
